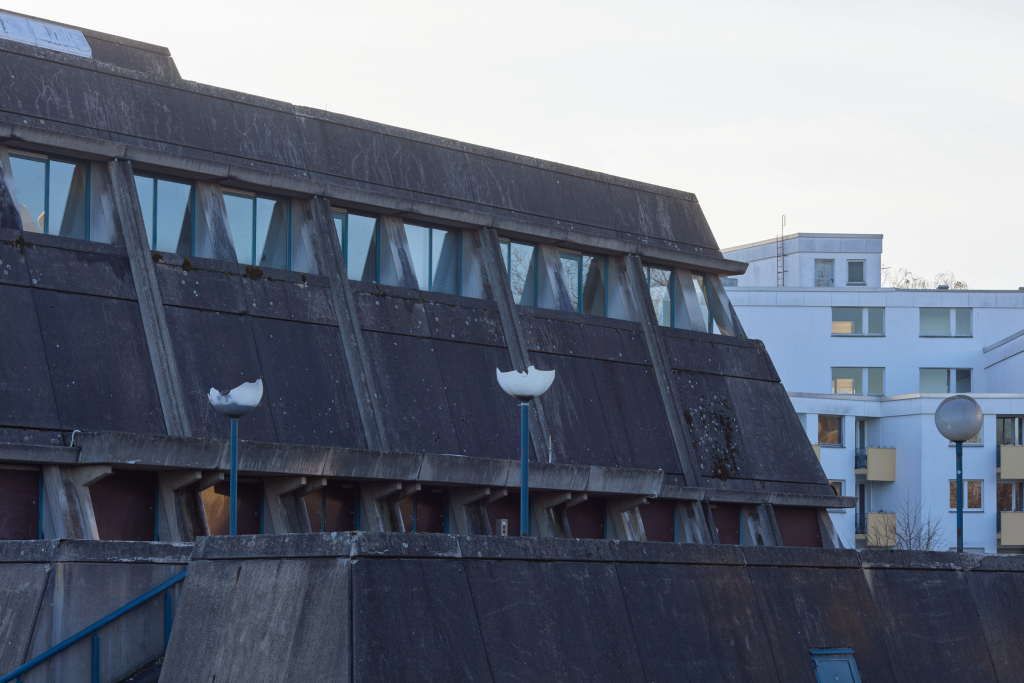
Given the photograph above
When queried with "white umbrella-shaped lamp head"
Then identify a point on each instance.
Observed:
(959, 418)
(239, 401)
(525, 385)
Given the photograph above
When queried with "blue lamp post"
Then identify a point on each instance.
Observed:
(525, 386)
(235, 404)
(959, 418)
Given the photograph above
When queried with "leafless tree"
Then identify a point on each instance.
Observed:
(910, 527)
(903, 278)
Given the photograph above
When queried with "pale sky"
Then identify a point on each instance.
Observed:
(900, 118)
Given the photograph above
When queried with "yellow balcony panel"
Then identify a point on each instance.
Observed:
(1011, 462)
(1012, 525)
(881, 529)
(817, 451)
(881, 464)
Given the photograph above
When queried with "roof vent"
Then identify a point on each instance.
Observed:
(942, 287)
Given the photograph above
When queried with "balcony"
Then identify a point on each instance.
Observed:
(876, 464)
(879, 530)
(817, 451)
(1010, 462)
(1011, 528)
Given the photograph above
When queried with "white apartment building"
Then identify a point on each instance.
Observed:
(866, 366)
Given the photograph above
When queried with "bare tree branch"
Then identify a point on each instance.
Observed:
(910, 527)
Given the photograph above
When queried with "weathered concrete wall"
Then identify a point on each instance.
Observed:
(51, 590)
(382, 607)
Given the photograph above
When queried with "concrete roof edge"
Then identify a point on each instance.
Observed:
(796, 235)
(1003, 341)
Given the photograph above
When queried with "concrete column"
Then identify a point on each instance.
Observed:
(758, 526)
(396, 266)
(161, 353)
(693, 523)
(180, 521)
(285, 512)
(213, 232)
(9, 213)
(329, 261)
(643, 311)
(103, 224)
(468, 512)
(829, 536)
(624, 515)
(497, 285)
(725, 315)
(379, 507)
(69, 512)
(552, 287)
(547, 513)
(686, 307)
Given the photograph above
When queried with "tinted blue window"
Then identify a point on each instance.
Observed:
(835, 666)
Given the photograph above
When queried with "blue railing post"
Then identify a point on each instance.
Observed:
(168, 617)
(234, 477)
(95, 658)
(524, 483)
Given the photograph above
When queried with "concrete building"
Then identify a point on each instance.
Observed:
(866, 366)
(159, 237)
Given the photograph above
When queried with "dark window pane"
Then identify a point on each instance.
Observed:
(507, 509)
(419, 251)
(444, 257)
(847, 381)
(145, 187)
(876, 321)
(571, 264)
(241, 212)
(963, 321)
(216, 501)
(361, 248)
(963, 381)
(847, 320)
(661, 297)
(1004, 497)
(934, 381)
(586, 520)
(659, 518)
(173, 217)
(935, 322)
(19, 505)
(522, 274)
(726, 518)
(830, 429)
(856, 271)
(698, 284)
(125, 505)
(875, 380)
(66, 214)
(973, 495)
(595, 277)
(30, 188)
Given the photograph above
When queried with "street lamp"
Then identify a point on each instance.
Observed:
(525, 386)
(235, 404)
(959, 419)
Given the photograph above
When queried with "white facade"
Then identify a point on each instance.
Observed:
(880, 353)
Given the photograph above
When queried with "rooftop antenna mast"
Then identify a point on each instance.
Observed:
(780, 257)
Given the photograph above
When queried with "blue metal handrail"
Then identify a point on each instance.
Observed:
(97, 626)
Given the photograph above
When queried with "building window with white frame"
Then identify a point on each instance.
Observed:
(858, 381)
(1009, 430)
(855, 272)
(972, 494)
(830, 430)
(858, 322)
(945, 380)
(946, 322)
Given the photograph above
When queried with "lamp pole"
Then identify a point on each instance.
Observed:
(524, 470)
(525, 386)
(235, 404)
(959, 418)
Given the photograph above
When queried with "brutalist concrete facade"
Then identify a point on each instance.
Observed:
(381, 392)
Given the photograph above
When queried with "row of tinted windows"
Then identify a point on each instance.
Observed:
(54, 195)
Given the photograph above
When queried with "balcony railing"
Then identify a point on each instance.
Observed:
(860, 459)
(862, 526)
(876, 464)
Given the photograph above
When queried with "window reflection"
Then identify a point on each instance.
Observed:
(595, 285)
(167, 210)
(659, 281)
(702, 299)
(572, 267)
(52, 195)
(520, 264)
(358, 237)
(260, 229)
(435, 257)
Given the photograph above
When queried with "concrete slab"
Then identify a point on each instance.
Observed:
(262, 620)
(570, 617)
(126, 448)
(359, 464)
(423, 610)
(465, 470)
(999, 599)
(83, 270)
(26, 394)
(465, 324)
(22, 584)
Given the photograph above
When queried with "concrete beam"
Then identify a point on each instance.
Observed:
(312, 484)
(178, 519)
(552, 288)
(575, 499)
(330, 262)
(77, 481)
(497, 284)
(151, 307)
(396, 266)
(643, 311)
(211, 479)
(627, 524)
(286, 513)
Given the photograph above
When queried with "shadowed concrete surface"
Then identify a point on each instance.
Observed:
(418, 607)
(51, 590)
